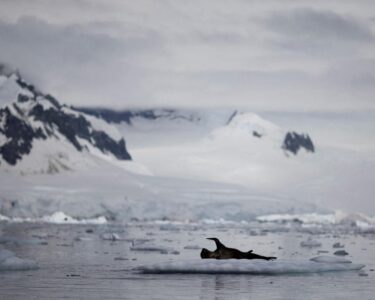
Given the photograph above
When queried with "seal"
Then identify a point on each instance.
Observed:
(223, 252)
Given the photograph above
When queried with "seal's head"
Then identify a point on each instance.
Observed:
(207, 253)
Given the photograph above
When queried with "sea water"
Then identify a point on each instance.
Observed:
(82, 262)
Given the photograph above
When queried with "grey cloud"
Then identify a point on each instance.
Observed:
(75, 61)
(183, 53)
(319, 24)
(318, 33)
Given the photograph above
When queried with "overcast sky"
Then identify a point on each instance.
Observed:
(264, 55)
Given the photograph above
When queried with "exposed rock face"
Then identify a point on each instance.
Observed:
(293, 142)
(35, 116)
(19, 137)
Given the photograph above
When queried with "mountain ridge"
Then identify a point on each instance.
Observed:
(30, 116)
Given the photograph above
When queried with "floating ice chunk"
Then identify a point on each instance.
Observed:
(330, 259)
(136, 241)
(83, 239)
(111, 236)
(338, 245)
(10, 262)
(233, 266)
(154, 248)
(341, 253)
(149, 248)
(310, 243)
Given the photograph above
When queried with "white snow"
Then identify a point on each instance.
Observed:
(61, 218)
(337, 217)
(101, 125)
(304, 218)
(10, 262)
(56, 218)
(9, 90)
(330, 259)
(231, 266)
(110, 236)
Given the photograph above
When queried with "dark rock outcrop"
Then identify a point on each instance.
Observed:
(293, 142)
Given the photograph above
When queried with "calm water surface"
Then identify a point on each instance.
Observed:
(76, 264)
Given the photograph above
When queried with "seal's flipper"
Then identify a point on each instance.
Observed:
(219, 245)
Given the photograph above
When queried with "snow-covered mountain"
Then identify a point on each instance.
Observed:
(168, 120)
(38, 134)
(188, 164)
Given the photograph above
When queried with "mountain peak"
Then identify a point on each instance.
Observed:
(30, 116)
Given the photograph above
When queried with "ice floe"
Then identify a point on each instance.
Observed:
(233, 266)
(110, 236)
(10, 262)
(310, 243)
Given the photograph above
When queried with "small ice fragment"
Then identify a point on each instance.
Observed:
(338, 245)
(82, 238)
(341, 253)
(110, 236)
(310, 243)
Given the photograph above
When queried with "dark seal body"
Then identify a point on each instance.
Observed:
(223, 252)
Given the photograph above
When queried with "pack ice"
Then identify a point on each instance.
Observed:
(233, 266)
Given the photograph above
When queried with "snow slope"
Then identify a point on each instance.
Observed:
(243, 148)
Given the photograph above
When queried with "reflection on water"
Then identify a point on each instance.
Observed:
(77, 264)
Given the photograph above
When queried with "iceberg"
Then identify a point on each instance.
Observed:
(10, 262)
(255, 267)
